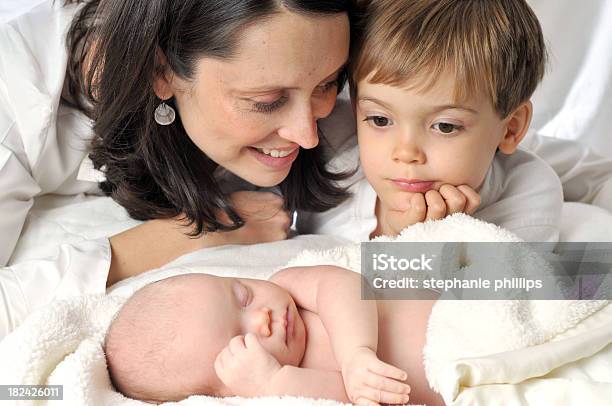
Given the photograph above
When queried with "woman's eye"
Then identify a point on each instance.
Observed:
(447, 128)
(379, 121)
(270, 107)
(326, 87)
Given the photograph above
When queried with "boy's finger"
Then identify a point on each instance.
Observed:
(436, 207)
(418, 208)
(455, 200)
(473, 198)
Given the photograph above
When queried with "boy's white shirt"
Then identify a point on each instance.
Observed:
(520, 193)
(43, 145)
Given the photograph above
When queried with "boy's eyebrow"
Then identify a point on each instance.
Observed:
(374, 100)
(433, 109)
(454, 107)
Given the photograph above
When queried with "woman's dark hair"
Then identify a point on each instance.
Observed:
(157, 171)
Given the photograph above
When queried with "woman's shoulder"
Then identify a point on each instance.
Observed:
(37, 34)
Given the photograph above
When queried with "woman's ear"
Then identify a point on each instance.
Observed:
(517, 124)
(162, 80)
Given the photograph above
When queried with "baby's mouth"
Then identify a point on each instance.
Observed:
(288, 325)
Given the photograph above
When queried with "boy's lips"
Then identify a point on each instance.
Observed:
(413, 185)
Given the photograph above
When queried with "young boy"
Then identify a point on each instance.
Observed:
(304, 333)
(441, 92)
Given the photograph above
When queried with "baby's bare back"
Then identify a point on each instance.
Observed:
(402, 325)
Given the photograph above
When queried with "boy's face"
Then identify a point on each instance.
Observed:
(412, 141)
(223, 308)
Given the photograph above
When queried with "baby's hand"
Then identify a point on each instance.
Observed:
(369, 381)
(245, 366)
(433, 205)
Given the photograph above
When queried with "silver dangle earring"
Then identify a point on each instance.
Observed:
(164, 114)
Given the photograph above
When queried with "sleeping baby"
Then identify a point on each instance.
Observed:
(305, 332)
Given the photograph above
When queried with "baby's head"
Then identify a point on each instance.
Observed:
(163, 343)
(439, 87)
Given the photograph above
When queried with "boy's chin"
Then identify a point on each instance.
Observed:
(398, 203)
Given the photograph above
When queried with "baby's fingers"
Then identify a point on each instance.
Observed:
(386, 384)
(236, 345)
(365, 402)
(383, 369)
(378, 396)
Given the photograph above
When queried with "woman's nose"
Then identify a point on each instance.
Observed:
(261, 321)
(301, 128)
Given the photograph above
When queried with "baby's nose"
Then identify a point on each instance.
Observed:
(262, 321)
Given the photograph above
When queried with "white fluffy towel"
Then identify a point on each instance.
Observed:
(62, 344)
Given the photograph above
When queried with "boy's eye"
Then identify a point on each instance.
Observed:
(446, 128)
(379, 121)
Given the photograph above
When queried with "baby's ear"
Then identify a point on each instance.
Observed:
(221, 391)
(517, 124)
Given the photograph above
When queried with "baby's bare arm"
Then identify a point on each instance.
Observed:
(247, 369)
(335, 295)
(352, 325)
(306, 382)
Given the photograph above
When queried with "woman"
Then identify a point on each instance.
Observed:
(247, 80)
(183, 93)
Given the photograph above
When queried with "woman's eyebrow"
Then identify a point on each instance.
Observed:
(336, 72)
(273, 88)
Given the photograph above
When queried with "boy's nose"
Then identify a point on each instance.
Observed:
(261, 322)
(408, 151)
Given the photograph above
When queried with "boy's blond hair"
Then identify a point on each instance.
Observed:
(492, 46)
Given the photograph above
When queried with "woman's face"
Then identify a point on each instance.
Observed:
(251, 113)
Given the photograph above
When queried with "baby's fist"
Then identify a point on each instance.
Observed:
(245, 366)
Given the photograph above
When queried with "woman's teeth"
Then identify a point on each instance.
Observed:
(274, 153)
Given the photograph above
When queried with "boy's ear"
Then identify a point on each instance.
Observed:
(162, 77)
(517, 124)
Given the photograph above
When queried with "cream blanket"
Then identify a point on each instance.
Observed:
(491, 352)
(476, 354)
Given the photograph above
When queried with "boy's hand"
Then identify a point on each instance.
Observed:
(451, 199)
(369, 381)
(245, 366)
(433, 205)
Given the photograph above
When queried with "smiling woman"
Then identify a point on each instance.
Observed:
(238, 96)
